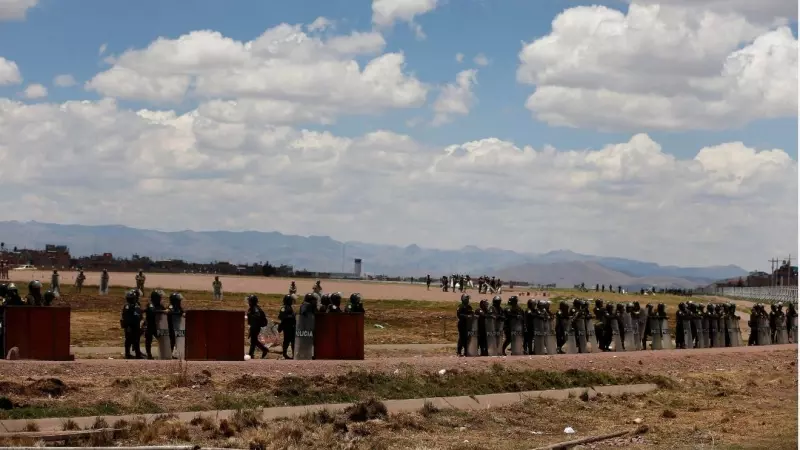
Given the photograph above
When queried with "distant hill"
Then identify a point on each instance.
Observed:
(321, 253)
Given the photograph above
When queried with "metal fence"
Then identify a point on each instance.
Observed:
(756, 294)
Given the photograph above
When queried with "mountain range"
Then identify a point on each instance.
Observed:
(321, 253)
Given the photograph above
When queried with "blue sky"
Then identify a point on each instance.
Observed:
(644, 105)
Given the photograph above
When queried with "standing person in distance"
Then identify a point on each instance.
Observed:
(217, 288)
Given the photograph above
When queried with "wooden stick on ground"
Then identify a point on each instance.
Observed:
(587, 440)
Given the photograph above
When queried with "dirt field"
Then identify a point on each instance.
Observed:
(719, 398)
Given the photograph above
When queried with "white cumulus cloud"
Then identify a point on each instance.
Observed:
(385, 13)
(481, 60)
(94, 162)
(35, 91)
(64, 80)
(284, 69)
(455, 98)
(9, 72)
(15, 9)
(659, 67)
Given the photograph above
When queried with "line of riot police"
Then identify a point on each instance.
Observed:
(492, 329)
(132, 322)
(775, 327)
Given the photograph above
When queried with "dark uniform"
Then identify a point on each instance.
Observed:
(563, 317)
(34, 297)
(287, 324)
(256, 319)
(48, 298)
(131, 322)
(599, 328)
(174, 312)
(791, 314)
(336, 303)
(530, 316)
(325, 304)
(483, 313)
(463, 314)
(355, 305)
(680, 316)
(156, 297)
(773, 323)
(428, 282)
(511, 311)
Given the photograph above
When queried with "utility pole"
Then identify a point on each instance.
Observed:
(772, 280)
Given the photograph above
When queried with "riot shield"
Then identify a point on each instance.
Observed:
(569, 347)
(643, 321)
(628, 341)
(637, 333)
(762, 331)
(688, 342)
(580, 333)
(720, 331)
(698, 326)
(655, 331)
(472, 337)
(550, 340)
(179, 325)
(517, 335)
(781, 333)
(591, 337)
(705, 331)
(616, 339)
(499, 334)
(304, 337)
(162, 335)
(732, 330)
(712, 332)
(793, 330)
(491, 338)
(539, 336)
(666, 339)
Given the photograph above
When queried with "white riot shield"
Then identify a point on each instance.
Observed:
(570, 347)
(517, 335)
(712, 331)
(162, 335)
(491, 337)
(616, 339)
(472, 337)
(698, 327)
(732, 330)
(304, 337)
(781, 333)
(499, 334)
(688, 342)
(540, 330)
(655, 330)
(721, 331)
(550, 340)
(627, 330)
(643, 322)
(179, 326)
(666, 339)
(705, 330)
(762, 331)
(579, 324)
(591, 337)
(637, 332)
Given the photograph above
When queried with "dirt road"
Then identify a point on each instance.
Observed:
(669, 361)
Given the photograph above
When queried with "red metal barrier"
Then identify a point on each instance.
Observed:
(339, 336)
(214, 335)
(39, 332)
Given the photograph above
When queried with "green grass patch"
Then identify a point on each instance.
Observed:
(51, 409)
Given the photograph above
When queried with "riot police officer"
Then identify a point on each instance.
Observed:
(48, 298)
(287, 324)
(174, 312)
(155, 305)
(325, 304)
(131, 322)
(256, 319)
(483, 339)
(530, 319)
(681, 316)
(355, 305)
(34, 297)
(512, 311)
(463, 313)
(336, 303)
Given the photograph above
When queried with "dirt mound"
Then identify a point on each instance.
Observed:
(47, 386)
(248, 382)
(368, 410)
(9, 387)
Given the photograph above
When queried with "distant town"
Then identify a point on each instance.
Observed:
(59, 257)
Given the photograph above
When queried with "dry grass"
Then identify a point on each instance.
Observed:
(722, 410)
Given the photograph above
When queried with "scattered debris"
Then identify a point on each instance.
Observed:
(569, 430)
